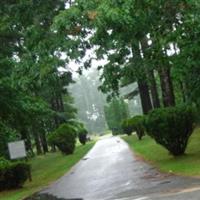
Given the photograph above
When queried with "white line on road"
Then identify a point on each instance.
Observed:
(141, 198)
(179, 192)
(128, 198)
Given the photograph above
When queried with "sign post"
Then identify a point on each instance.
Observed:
(17, 149)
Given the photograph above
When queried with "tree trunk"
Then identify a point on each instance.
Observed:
(142, 81)
(154, 90)
(44, 142)
(183, 91)
(37, 141)
(62, 109)
(53, 148)
(27, 140)
(29, 145)
(167, 87)
(54, 107)
(145, 97)
(150, 74)
(57, 102)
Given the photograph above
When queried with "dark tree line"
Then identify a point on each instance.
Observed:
(34, 99)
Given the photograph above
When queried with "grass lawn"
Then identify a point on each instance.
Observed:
(188, 164)
(45, 170)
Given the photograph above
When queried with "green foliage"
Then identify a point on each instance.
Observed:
(4, 162)
(188, 165)
(53, 166)
(31, 86)
(81, 131)
(6, 135)
(82, 135)
(13, 174)
(126, 127)
(64, 137)
(156, 38)
(171, 127)
(136, 124)
(115, 113)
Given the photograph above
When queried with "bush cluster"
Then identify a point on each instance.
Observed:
(64, 137)
(171, 127)
(136, 124)
(13, 174)
(80, 131)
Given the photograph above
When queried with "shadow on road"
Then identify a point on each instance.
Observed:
(48, 197)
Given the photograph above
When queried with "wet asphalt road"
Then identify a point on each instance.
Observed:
(110, 171)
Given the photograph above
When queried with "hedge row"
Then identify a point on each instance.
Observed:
(170, 127)
(13, 174)
(135, 124)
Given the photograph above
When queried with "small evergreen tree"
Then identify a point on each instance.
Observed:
(115, 112)
(64, 138)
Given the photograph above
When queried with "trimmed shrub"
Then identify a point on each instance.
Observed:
(64, 138)
(13, 174)
(80, 131)
(116, 131)
(136, 124)
(171, 127)
(82, 136)
(126, 127)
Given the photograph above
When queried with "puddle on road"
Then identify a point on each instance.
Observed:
(48, 197)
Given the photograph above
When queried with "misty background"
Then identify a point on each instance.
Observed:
(90, 101)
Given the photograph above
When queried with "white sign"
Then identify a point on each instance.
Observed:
(17, 149)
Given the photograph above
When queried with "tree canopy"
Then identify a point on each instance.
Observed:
(147, 42)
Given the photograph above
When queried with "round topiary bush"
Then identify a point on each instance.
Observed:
(64, 138)
(80, 131)
(136, 124)
(171, 127)
(126, 127)
(82, 135)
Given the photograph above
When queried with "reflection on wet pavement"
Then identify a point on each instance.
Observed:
(112, 172)
(47, 197)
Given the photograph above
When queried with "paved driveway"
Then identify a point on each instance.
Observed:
(110, 171)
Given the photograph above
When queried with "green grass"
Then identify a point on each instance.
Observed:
(46, 169)
(187, 165)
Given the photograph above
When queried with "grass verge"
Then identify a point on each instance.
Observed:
(46, 169)
(187, 165)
